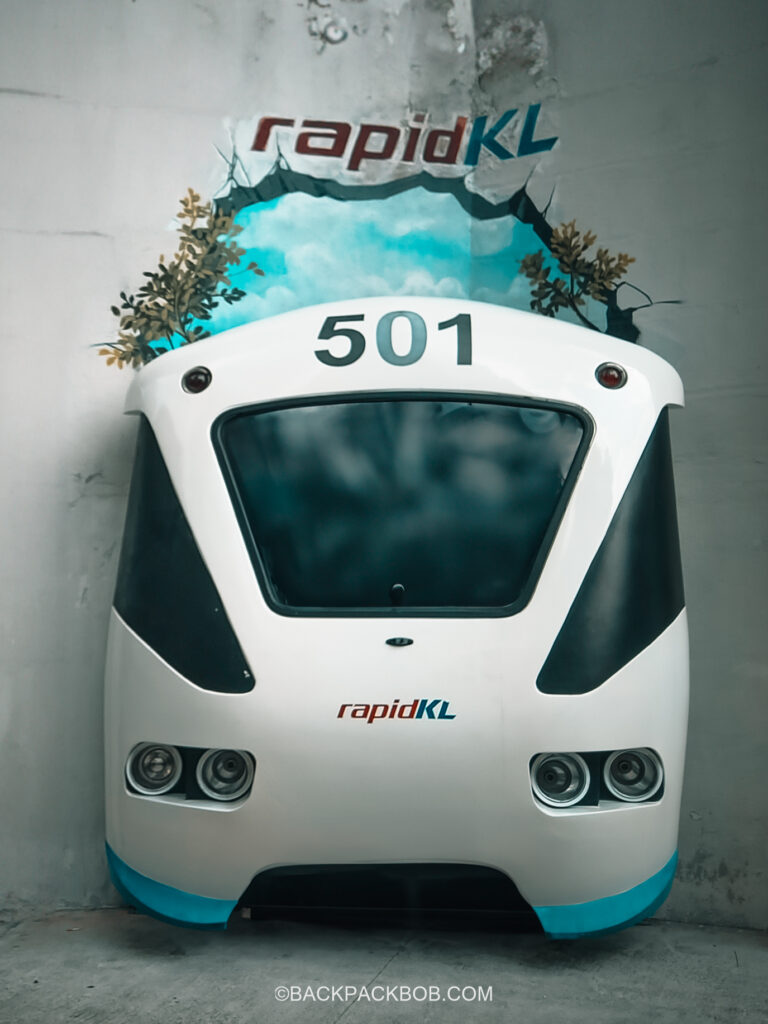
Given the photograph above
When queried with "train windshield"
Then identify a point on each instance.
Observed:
(400, 506)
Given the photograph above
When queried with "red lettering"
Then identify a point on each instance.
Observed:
(413, 137)
(453, 137)
(410, 708)
(342, 709)
(265, 126)
(337, 132)
(360, 152)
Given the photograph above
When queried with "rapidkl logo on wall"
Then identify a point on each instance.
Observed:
(378, 142)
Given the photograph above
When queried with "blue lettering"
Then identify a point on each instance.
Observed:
(427, 709)
(527, 145)
(481, 137)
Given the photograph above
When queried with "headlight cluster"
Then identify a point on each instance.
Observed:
(563, 780)
(154, 769)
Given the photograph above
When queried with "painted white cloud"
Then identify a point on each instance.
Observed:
(419, 282)
(517, 294)
(492, 236)
(301, 216)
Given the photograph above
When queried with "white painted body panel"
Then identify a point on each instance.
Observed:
(330, 790)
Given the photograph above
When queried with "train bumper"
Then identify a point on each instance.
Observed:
(596, 917)
(163, 901)
(610, 914)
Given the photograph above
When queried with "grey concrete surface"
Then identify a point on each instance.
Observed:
(113, 966)
(108, 111)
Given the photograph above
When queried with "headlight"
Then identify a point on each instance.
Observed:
(153, 768)
(633, 775)
(224, 774)
(560, 780)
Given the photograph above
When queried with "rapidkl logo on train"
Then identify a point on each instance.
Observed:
(419, 708)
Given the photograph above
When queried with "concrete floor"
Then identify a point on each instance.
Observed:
(115, 966)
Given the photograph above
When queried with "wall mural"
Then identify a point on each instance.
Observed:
(296, 239)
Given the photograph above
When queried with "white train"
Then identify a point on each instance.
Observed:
(400, 587)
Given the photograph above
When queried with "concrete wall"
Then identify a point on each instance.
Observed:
(110, 109)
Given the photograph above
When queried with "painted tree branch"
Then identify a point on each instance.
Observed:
(166, 311)
(584, 276)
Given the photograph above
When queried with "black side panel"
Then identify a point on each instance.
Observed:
(634, 587)
(164, 590)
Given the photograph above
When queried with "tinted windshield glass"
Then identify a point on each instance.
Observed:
(399, 504)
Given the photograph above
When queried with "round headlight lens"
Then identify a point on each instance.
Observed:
(153, 768)
(633, 775)
(560, 780)
(224, 774)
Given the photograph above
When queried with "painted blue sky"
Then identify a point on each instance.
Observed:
(415, 243)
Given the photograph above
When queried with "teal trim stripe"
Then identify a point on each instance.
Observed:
(165, 902)
(612, 912)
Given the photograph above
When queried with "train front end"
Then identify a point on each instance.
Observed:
(400, 585)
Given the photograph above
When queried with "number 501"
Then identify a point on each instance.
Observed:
(334, 327)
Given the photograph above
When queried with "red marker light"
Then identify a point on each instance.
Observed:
(611, 375)
(196, 380)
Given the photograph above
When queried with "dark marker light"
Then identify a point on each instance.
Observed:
(225, 774)
(196, 380)
(633, 775)
(153, 768)
(559, 780)
(611, 375)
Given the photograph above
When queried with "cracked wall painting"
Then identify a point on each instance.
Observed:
(329, 211)
(320, 236)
